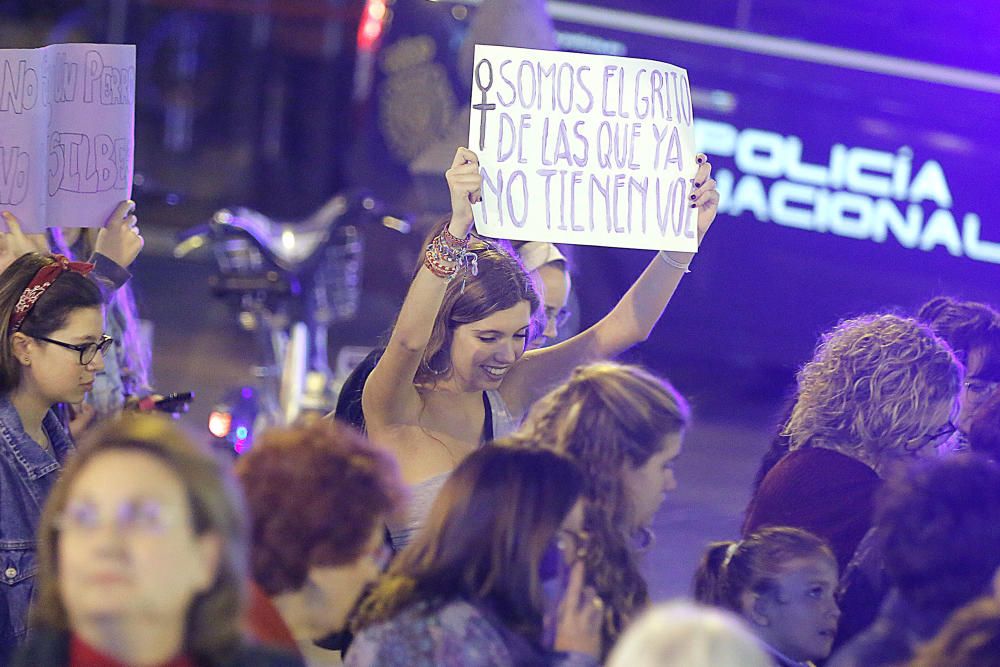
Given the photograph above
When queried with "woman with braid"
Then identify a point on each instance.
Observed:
(623, 426)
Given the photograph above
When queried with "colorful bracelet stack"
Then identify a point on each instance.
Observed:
(444, 254)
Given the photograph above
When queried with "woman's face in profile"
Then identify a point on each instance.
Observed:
(127, 549)
(647, 486)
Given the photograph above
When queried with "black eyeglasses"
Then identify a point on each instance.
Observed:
(937, 436)
(87, 351)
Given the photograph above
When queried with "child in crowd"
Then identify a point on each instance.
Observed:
(782, 582)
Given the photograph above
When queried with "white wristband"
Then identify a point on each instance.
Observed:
(686, 268)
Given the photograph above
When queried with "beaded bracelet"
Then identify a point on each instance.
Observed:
(452, 240)
(433, 262)
(452, 253)
(446, 254)
(686, 268)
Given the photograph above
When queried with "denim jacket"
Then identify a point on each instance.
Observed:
(27, 474)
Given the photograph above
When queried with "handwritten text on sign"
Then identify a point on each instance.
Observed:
(584, 149)
(66, 127)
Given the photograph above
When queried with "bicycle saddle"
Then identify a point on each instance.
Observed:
(290, 244)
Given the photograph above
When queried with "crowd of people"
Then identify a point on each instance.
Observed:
(485, 492)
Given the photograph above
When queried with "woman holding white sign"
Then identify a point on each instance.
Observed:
(455, 373)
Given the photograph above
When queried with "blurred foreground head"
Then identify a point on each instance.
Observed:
(144, 528)
(318, 497)
(681, 634)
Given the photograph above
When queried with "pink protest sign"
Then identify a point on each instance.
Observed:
(66, 133)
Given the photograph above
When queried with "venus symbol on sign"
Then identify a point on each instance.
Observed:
(483, 106)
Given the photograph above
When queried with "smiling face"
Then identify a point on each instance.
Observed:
(648, 484)
(127, 548)
(483, 351)
(53, 372)
(800, 617)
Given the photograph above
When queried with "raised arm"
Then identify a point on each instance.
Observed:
(119, 239)
(629, 322)
(14, 242)
(389, 396)
(118, 244)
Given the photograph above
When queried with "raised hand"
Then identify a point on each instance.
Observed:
(81, 417)
(119, 240)
(14, 242)
(465, 184)
(704, 197)
(580, 614)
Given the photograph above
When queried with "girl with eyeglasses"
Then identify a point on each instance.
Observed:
(112, 248)
(51, 348)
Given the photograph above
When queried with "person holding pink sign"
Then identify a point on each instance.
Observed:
(52, 347)
(455, 373)
(112, 248)
(52, 344)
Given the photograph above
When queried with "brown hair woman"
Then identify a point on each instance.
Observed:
(455, 372)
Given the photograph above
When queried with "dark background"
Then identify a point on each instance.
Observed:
(263, 104)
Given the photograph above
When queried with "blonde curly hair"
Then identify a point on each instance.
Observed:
(605, 416)
(871, 386)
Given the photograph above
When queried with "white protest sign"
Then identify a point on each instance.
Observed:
(583, 149)
(66, 133)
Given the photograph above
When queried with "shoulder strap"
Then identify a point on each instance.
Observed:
(488, 419)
